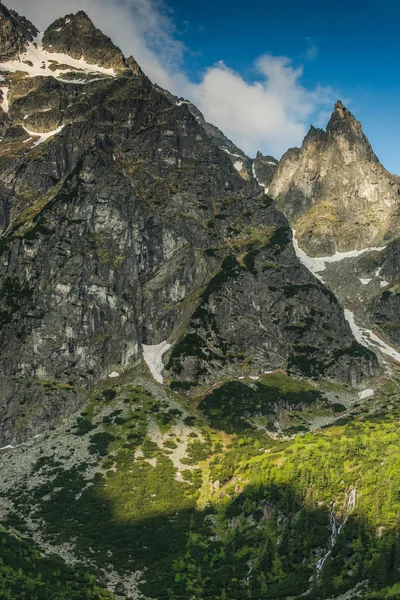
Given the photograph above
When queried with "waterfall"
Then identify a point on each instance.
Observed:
(349, 505)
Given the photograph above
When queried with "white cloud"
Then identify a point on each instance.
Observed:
(269, 114)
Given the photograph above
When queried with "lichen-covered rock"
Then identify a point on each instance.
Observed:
(335, 193)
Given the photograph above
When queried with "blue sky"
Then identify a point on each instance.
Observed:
(353, 47)
(262, 71)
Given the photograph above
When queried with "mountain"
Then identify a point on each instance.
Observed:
(135, 235)
(190, 405)
(334, 176)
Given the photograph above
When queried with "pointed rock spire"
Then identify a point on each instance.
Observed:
(325, 187)
(343, 123)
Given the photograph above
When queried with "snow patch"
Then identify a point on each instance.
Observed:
(113, 375)
(366, 394)
(318, 264)
(9, 447)
(365, 281)
(384, 283)
(369, 338)
(355, 329)
(4, 103)
(43, 136)
(153, 358)
(231, 153)
(238, 165)
(256, 178)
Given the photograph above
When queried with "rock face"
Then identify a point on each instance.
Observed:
(335, 193)
(264, 169)
(263, 311)
(127, 224)
(15, 32)
(384, 307)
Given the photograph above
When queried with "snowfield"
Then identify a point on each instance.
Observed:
(37, 62)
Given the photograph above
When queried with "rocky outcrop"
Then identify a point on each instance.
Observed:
(335, 193)
(15, 32)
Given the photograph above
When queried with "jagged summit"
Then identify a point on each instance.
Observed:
(343, 123)
(77, 36)
(71, 49)
(15, 32)
(335, 192)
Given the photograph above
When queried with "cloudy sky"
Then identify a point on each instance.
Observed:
(262, 71)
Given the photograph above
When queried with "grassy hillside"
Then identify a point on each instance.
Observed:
(163, 500)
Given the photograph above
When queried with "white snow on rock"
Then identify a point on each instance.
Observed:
(42, 136)
(355, 329)
(365, 281)
(318, 264)
(9, 447)
(366, 394)
(4, 103)
(113, 375)
(369, 338)
(384, 283)
(256, 178)
(42, 60)
(231, 153)
(366, 337)
(238, 165)
(153, 358)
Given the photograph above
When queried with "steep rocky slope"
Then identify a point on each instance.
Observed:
(15, 33)
(335, 193)
(125, 223)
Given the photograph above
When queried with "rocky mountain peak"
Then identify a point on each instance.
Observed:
(334, 176)
(15, 32)
(77, 36)
(343, 123)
